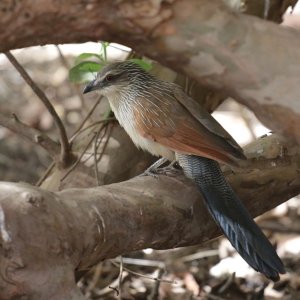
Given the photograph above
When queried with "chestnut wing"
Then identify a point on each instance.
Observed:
(166, 121)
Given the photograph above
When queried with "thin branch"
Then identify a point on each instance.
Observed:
(199, 255)
(75, 134)
(31, 134)
(145, 276)
(73, 87)
(77, 131)
(78, 159)
(120, 278)
(96, 145)
(93, 283)
(65, 146)
(119, 48)
(142, 262)
(46, 174)
(155, 289)
(227, 284)
(112, 287)
(110, 130)
(90, 126)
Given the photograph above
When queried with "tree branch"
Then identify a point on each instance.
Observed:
(163, 214)
(66, 156)
(33, 135)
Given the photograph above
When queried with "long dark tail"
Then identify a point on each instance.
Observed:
(231, 215)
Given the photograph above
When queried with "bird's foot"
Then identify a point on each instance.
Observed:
(152, 173)
(153, 170)
(171, 169)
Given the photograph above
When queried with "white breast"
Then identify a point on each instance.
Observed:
(124, 114)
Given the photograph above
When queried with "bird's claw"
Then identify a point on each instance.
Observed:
(155, 170)
(151, 172)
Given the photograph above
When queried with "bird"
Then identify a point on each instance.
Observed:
(162, 119)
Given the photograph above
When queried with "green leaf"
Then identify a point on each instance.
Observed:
(84, 71)
(145, 65)
(85, 56)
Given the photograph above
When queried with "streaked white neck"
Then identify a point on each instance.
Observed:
(122, 106)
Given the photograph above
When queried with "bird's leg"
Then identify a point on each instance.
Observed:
(153, 169)
(174, 165)
(173, 169)
(156, 169)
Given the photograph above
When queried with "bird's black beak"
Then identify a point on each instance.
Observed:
(91, 86)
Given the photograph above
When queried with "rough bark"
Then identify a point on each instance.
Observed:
(252, 60)
(42, 242)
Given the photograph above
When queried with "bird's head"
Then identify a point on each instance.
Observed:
(118, 77)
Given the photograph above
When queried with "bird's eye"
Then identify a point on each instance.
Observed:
(109, 77)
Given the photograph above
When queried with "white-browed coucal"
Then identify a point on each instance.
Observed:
(160, 118)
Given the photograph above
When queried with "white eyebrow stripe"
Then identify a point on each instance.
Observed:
(102, 77)
(108, 73)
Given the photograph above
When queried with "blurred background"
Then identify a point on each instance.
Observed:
(186, 273)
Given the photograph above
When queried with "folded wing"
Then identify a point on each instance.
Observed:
(181, 125)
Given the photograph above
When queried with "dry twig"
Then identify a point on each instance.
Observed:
(31, 134)
(74, 88)
(96, 146)
(78, 159)
(78, 130)
(75, 134)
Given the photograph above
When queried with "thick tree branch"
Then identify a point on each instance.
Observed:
(254, 61)
(40, 232)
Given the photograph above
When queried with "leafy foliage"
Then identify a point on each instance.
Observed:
(87, 65)
(85, 56)
(84, 71)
